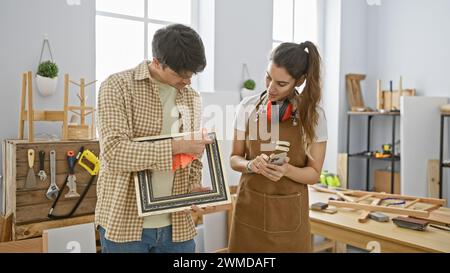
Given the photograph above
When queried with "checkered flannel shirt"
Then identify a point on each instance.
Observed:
(129, 106)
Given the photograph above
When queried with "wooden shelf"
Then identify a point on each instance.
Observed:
(373, 113)
(395, 158)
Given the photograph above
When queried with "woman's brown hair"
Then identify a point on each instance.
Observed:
(298, 62)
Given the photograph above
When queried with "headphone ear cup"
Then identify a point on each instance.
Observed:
(285, 111)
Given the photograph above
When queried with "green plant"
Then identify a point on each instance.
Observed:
(48, 69)
(250, 84)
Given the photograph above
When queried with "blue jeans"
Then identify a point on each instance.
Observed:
(154, 240)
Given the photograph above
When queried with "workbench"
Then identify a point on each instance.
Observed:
(344, 228)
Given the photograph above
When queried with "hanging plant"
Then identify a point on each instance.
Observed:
(48, 69)
(47, 73)
(249, 84)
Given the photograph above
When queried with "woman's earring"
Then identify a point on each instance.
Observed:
(294, 119)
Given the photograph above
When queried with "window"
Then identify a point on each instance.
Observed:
(124, 30)
(295, 21)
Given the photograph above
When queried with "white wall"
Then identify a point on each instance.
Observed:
(331, 59)
(353, 59)
(243, 35)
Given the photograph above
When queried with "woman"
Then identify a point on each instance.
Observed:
(272, 210)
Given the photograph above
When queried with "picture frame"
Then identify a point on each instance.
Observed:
(219, 193)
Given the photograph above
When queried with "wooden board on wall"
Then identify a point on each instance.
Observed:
(433, 178)
(342, 169)
(31, 206)
(383, 181)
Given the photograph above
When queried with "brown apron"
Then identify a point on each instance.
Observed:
(272, 216)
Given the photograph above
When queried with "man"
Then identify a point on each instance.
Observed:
(152, 99)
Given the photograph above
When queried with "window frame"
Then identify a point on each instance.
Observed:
(319, 23)
(146, 21)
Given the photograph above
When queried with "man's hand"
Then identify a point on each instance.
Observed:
(191, 144)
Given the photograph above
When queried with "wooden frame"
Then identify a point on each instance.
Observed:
(218, 195)
(411, 209)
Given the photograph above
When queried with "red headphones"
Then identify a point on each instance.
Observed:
(285, 110)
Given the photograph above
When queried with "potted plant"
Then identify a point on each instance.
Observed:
(248, 88)
(47, 78)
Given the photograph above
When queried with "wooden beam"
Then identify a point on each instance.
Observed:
(401, 211)
(345, 197)
(363, 198)
(23, 246)
(364, 217)
(36, 229)
(30, 108)
(412, 203)
(433, 178)
(22, 105)
(6, 228)
(441, 202)
(46, 115)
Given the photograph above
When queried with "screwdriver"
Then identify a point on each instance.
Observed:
(71, 160)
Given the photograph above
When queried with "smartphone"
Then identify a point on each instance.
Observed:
(278, 159)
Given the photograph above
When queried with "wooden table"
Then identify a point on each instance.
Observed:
(344, 227)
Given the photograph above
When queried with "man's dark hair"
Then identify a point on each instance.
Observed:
(180, 48)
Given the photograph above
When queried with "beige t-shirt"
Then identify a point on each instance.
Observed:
(162, 182)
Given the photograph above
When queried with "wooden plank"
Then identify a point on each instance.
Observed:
(363, 198)
(345, 197)
(66, 105)
(22, 106)
(433, 178)
(412, 203)
(10, 185)
(45, 115)
(342, 169)
(324, 190)
(383, 181)
(6, 228)
(45, 241)
(364, 217)
(23, 246)
(441, 202)
(37, 197)
(36, 213)
(82, 179)
(401, 211)
(325, 245)
(3, 184)
(36, 229)
(30, 114)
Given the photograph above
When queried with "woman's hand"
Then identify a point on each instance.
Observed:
(275, 172)
(259, 163)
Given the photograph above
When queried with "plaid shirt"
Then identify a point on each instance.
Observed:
(129, 106)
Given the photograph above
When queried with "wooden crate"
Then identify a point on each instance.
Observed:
(30, 206)
(383, 181)
(391, 100)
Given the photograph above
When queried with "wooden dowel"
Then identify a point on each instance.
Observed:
(401, 211)
(22, 105)
(30, 108)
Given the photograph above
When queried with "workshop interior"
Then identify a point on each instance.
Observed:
(385, 95)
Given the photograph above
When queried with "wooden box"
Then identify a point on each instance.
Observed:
(30, 207)
(391, 100)
(383, 181)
